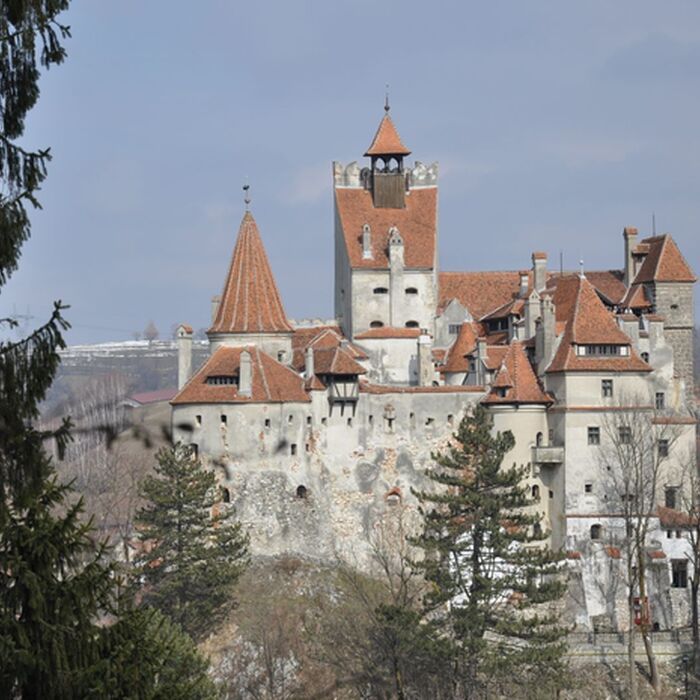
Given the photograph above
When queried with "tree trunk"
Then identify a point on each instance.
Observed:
(646, 634)
(694, 586)
(631, 667)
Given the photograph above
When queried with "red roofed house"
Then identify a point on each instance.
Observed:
(311, 424)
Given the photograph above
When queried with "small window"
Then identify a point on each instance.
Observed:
(669, 534)
(645, 356)
(411, 290)
(596, 531)
(293, 449)
(302, 491)
(671, 497)
(412, 324)
(324, 421)
(389, 423)
(607, 388)
(588, 487)
(376, 324)
(551, 493)
(194, 448)
(674, 307)
(381, 290)
(224, 419)
(308, 446)
(663, 448)
(535, 491)
(679, 573)
(593, 435)
(225, 495)
(370, 419)
(660, 401)
(679, 534)
(450, 419)
(625, 434)
(539, 439)
(198, 420)
(537, 531)
(429, 421)
(453, 328)
(349, 422)
(308, 420)
(280, 356)
(267, 423)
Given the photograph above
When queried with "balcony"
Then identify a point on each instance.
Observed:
(549, 454)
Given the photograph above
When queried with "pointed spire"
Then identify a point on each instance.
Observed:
(387, 141)
(250, 302)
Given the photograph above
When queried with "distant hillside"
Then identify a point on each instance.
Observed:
(140, 365)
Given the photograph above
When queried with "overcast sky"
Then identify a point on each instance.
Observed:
(555, 123)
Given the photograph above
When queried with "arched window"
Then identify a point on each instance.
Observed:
(302, 491)
(537, 530)
(381, 290)
(596, 531)
(225, 495)
(539, 439)
(411, 290)
(411, 324)
(376, 324)
(535, 490)
(645, 356)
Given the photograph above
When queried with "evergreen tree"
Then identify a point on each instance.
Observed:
(490, 579)
(193, 550)
(151, 658)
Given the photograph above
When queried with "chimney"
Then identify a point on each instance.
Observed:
(366, 242)
(426, 369)
(524, 284)
(215, 301)
(245, 375)
(481, 357)
(309, 363)
(532, 313)
(184, 354)
(630, 235)
(546, 336)
(539, 270)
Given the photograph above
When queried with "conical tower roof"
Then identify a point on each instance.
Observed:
(387, 141)
(250, 301)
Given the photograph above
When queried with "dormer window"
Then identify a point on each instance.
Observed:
(219, 379)
(381, 290)
(411, 290)
(376, 324)
(603, 350)
(412, 324)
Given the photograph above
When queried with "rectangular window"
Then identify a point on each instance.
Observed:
(671, 497)
(450, 419)
(663, 448)
(324, 421)
(679, 573)
(308, 420)
(198, 420)
(349, 422)
(195, 449)
(370, 419)
(293, 448)
(607, 388)
(593, 435)
(454, 328)
(660, 400)
(625, 433)
(588, 487)
(224, 419)
(267, 423)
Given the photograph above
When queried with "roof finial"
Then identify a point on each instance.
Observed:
(246, 195)
(580, 274)
(387, 107)
(653, 223)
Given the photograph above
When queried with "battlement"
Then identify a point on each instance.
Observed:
(353, 176)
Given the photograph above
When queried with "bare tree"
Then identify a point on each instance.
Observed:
(635, 449)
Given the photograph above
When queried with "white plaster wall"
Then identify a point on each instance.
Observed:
(392, 360)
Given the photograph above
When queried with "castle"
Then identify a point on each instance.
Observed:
(318, 430)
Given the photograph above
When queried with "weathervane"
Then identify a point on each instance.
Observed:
(386, 99)
(580, 274)
(246, 196)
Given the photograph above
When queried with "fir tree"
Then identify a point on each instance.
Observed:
(193, 551)
(490, 576)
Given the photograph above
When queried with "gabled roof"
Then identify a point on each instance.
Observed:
(319, 337)
(588, 322)
(417, 224)
(636, 298)
(479, 292)
(517, 377)
(664, 262)
(271, 381)
(387, 141)
(250, 301)
(336, 360)
(464, 344)
(608, 283)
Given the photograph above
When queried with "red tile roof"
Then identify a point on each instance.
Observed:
(319, 337)
(146, 397)
(588, 322)
(250, 302)
(336, 360)
(479, 292)
(387, 141)
(271, 380)
(636, 298)
(368, 388)
(417, 224)
(609, 283)
(518, 379)
(671, 518)
(464, 344)
(388, 332)
(613, 552)
(664, 262)
(495, 355)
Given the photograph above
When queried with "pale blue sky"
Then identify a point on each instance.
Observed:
(555, 124)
